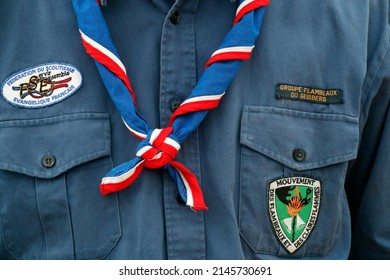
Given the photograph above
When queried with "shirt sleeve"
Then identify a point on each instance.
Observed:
(368, 180)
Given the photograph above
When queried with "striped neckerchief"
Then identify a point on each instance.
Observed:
(158, 147)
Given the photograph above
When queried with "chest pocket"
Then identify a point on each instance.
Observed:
(50, 204)
(269, 137)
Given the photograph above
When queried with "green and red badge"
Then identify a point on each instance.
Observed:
(294, 204)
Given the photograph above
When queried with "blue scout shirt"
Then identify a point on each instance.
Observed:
(294, 163)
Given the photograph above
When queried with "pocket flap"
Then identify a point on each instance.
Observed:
(66, 141)
(324, 138)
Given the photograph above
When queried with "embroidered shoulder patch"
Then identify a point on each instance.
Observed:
(42, 85)
(309, 94)
(294, 204)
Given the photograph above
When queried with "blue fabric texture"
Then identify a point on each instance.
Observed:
(240, 147)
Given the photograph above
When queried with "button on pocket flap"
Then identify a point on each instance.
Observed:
(299, 140)
(45, 148)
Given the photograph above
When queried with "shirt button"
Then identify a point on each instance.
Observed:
(175, 103)
(299, 155)
(175, 18)
(48, 161)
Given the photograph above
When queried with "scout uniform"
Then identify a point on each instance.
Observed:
(194, 129)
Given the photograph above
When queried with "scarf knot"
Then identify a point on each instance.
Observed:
(159, 148)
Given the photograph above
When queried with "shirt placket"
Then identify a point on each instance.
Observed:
(184, 228)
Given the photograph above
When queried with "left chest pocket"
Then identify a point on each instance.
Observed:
(50, 204)
(277, 143)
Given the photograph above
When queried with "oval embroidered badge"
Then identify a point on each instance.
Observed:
(42, 85)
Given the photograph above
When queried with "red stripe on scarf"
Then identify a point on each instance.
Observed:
(110, 64)
(250, 7)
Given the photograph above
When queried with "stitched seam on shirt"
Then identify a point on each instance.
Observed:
(40, 216)
(65, 167)
(53, 120)
(5, 243)
(375, 76)
(315, 164)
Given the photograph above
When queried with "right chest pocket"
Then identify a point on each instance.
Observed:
(50, 204)
(269, 137)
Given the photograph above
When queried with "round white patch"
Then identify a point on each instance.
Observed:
(42, 85)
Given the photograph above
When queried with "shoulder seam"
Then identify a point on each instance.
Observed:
(369, 80)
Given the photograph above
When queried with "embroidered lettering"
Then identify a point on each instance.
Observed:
(293, 206)
(41, 85)
(309, 94)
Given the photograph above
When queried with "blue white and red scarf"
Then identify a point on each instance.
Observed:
(158, 147)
